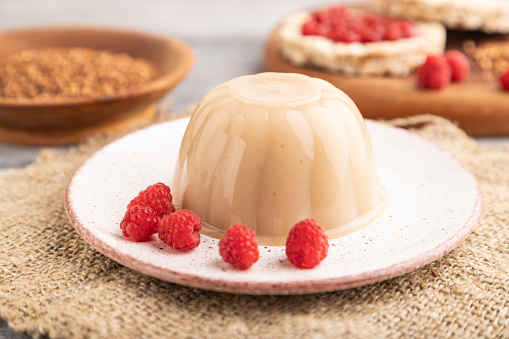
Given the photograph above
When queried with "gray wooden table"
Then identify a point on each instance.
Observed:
(227, 36)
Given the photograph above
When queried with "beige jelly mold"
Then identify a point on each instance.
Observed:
(271, 149)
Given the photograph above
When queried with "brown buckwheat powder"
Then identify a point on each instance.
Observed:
(491, 58)
(62, 73)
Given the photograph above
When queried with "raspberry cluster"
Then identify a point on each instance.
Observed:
(438, 71)
(342, 24)
(152, 211)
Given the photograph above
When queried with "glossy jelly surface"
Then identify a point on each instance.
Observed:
(271, 149)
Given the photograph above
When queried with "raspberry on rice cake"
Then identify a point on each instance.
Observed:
(358, 42)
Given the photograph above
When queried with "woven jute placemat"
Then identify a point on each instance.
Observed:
(53, 283)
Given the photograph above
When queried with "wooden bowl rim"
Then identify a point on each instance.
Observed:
(167, 79)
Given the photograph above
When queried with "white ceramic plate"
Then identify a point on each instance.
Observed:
(434, 203)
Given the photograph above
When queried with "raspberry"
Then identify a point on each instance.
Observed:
(158, 196)
(345, 25)
(393, 32)
(344, 35)
(368, 34)
(180, 230)
(408, 28)
(238, 247)
(459, 64)
(139, 223)
(307, 244)
(504, 80)
(435, 73)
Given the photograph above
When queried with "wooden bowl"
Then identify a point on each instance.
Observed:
(71, 116)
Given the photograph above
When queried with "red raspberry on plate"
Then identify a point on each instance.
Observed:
(158, 196)
(180, 230)
(435, 73)
(460, 67)
(307, 244)
(504, 80)
(239, 247)
(139, 223)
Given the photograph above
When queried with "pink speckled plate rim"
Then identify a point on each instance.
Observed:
(278, 288)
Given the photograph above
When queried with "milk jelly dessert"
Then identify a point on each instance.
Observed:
(271, 149)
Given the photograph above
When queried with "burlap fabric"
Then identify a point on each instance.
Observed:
(52, 282)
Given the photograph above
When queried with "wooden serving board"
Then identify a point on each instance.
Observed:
(479, 107)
